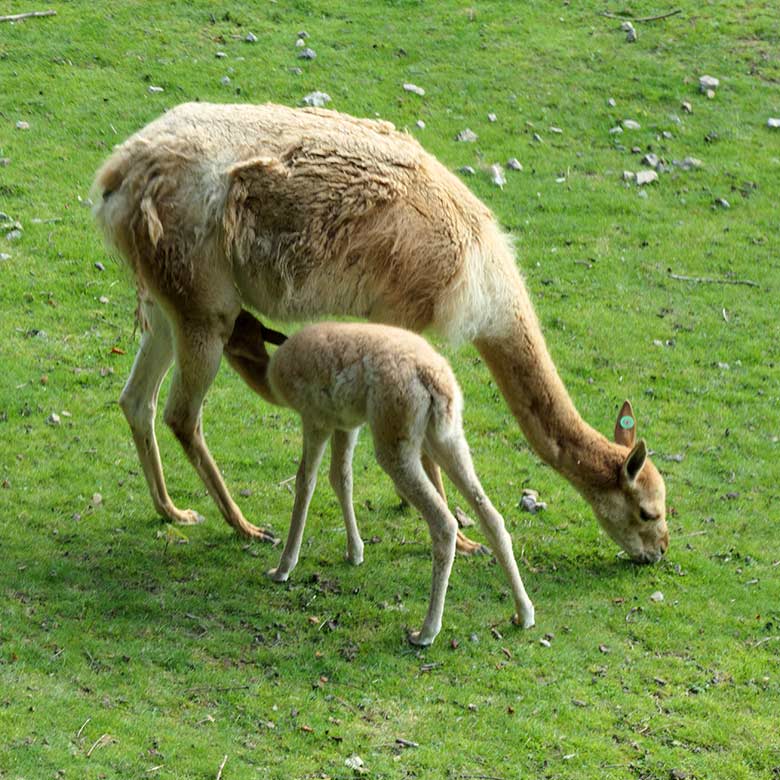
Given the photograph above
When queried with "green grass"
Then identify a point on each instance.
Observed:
(184, 653)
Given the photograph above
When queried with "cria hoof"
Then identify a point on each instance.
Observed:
(528, 621)
(277, 576)
(415, 638)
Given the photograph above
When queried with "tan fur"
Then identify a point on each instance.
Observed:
(301, 213)
(338, 376)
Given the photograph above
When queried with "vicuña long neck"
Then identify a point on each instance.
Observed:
(526, 375)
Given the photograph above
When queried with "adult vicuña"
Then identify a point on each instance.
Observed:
(299, 213)
(338, 376)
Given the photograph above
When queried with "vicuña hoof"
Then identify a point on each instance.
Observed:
(187, 517)
(466, 546)
(253, 532)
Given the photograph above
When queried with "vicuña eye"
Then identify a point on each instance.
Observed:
(645, 515)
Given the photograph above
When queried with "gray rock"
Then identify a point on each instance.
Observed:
(612, 102)
(13, 235)
(316, 99)
(630, 31)
(630, 124)
(722, 203)
(651, 160)
(225, 80)
(302, 34)
(629, 176)
(307, 54)
(537, 138)
(466, 170)
(687, 107)
(296, 71)
(708, 83)
(5, 161)
(420, 124)
(4, 256)
(251, 38)
(688, 163)
(415, 89)
(53, 419)
(646, 177)
(100, 266)
(492, 117)
(657, 596)
(466, 136)
(220, 55)
(529, 502)
(514, 164)
(617, 130)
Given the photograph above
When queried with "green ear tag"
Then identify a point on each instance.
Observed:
(626, 422)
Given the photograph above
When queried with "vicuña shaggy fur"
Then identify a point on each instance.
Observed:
(302, 213)
(338, 376)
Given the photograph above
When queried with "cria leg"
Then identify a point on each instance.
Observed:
(342, 448)
(314, 441)
(463, 544)
(410, 479)
(198, 352)
(139, 404)
(454, 456)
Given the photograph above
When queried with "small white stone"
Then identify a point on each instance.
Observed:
(616, 130)
(514, 164)
(354, 762)
(646, 177)
(225, 80)
(316, 99)
(629, 176)
(299, 43)
(612, 102)
(97, 499)
(497, 175)
(630, 124)
(22, 125)
(710, 93)
(251, 38)
(415, 89)
(4, 256)
(53, 419)
(723, 203)
(302, 34)
(560, 180)
(103, 299)
(657, 596)
(13, 235)
(419, 123)
(556, 130)
(466, 170)
(492, 117)
(687, 107)
(220, 55)
(773, 123)
(307, 54)
(651, 160)
(707, 83)
(545, 643)
(688, 163)
(152, 90)
(466, 136)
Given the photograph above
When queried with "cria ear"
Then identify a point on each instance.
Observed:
(625, 427)
(634, 462)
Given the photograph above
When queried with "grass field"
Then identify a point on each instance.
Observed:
(127, 653)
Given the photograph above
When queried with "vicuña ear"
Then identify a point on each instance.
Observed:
(634, 462)
(625, 427)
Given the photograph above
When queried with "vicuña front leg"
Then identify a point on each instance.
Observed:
(314, 441)
(139, 404)
(463, 544)
(198, 352)
(342, 449)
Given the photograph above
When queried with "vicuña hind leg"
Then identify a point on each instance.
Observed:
(455, 458)
(410, 479)
(342, 448)
(198, 352)
(139, 404)
(463, 544)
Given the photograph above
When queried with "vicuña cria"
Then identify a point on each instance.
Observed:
(338, 376)
(301, 213)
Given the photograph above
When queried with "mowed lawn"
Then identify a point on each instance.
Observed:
(130, 649)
